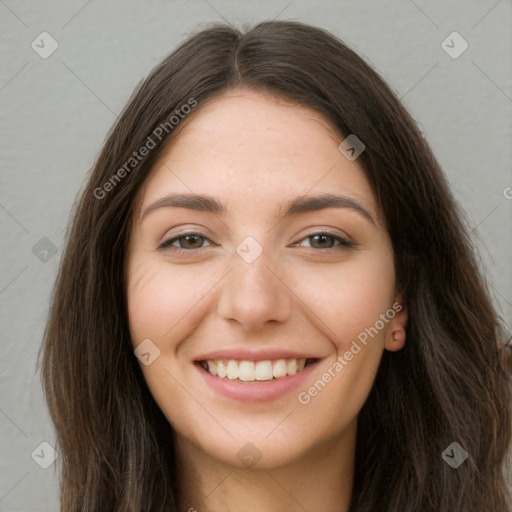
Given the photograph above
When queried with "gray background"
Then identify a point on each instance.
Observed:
(57, 111)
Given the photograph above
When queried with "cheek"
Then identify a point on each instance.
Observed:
(350, 307)
(348, 298)
(160, 296)
(351, 302)
(165, 304)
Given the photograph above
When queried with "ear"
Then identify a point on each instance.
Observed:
(395, 335)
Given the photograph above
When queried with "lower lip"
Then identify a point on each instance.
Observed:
(256, 391)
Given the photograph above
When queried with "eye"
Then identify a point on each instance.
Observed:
(185, 242)
(188, 242)
(325, 240)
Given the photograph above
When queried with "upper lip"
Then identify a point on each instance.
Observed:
(254, 354)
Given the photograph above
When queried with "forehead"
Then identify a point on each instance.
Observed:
(257, 120)
(253, 146)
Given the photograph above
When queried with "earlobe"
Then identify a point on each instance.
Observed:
(395, 337)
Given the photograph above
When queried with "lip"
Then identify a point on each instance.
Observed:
(256, 391)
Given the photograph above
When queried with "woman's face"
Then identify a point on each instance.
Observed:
(261, 284)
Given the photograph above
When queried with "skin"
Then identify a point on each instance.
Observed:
(254, 152)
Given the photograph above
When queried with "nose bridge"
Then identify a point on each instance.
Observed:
(251, 292)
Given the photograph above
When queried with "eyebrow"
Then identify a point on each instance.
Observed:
(301, 204)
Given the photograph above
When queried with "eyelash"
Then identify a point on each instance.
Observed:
(343, 242)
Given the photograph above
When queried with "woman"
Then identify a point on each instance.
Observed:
(268, 300)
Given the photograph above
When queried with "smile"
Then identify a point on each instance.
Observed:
(250, 371)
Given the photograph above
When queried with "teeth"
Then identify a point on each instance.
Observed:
(221, 369)
(211, 367)
(263, 370)
(250, 371)
(291, 367)
(232, 370)
(279, 368)
(246, 371)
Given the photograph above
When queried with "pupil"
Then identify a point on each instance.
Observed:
(191, 238)
(322, 238)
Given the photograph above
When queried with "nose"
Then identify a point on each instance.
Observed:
(255, 294)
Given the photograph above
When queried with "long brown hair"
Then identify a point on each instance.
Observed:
(116, 447)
